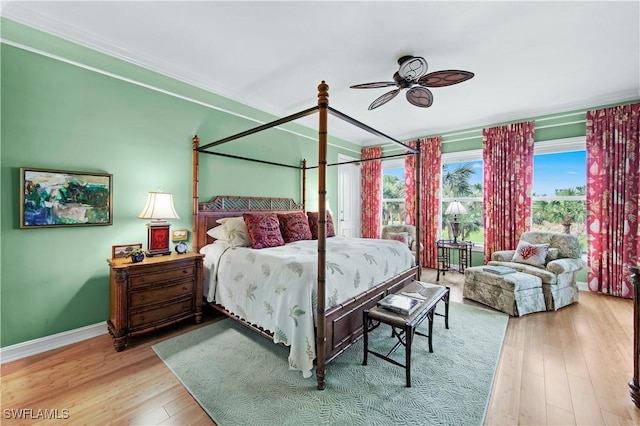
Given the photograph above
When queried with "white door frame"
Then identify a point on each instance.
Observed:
(348, 197)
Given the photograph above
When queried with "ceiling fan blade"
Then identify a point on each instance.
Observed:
(412, 67)
(374, 85)
(420, 97)
(444, 78)
(384, 99)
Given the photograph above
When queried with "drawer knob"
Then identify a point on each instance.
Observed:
(141, 297)
(141, 317)
(184, 271)
(184, 287)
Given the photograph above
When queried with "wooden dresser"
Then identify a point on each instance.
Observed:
(153, 293)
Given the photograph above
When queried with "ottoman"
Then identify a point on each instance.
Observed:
(515, 294)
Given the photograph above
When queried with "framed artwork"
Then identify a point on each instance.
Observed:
(179, 234)
(57, 198)
(123, 250)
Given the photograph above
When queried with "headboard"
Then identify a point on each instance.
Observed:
(229, 205)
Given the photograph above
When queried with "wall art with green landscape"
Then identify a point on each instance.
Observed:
(59, 198)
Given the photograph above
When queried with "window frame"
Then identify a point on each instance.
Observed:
(559, 146)
(395, 163)
(554, 146)
(467, 156)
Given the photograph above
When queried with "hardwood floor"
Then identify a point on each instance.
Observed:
(566, 367)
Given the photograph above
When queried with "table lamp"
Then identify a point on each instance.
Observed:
(159, 207)
(455, 208)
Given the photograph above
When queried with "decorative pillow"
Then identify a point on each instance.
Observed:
(403, 237)
(531, 254)
(313, 225)
(264, 230)
(294, 227)
(217, 233)
(552, 255)
(236, 231)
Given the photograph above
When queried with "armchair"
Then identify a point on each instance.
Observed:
(406, 233)
(557, 269)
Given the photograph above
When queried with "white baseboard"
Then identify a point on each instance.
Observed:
(43, 344)
(582, 286)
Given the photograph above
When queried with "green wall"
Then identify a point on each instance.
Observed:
(59, 115)
(70, 108)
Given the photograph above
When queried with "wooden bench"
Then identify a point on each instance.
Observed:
(407, 324)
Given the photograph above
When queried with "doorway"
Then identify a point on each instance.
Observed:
(348, 223)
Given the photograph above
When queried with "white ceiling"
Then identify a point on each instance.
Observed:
(529, 58)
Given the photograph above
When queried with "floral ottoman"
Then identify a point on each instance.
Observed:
(515, 293)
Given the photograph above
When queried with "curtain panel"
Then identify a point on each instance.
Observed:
(507, 153)
(371, 192)
(430, 171)
(613, 185)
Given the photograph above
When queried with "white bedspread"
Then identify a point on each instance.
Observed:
(276, 287)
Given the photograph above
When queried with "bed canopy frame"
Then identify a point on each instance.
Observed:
(325, 319)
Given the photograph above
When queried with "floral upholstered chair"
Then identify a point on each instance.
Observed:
(404, 233)
(554, 257)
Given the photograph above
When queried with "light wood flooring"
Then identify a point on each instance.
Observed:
(566, 367)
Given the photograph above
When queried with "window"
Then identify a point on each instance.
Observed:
(559, 188)
(393, 208)
(462, 182)
(558, 198)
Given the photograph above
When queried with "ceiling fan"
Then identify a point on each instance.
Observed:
(412, 75)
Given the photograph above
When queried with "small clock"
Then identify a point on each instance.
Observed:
(181, 248)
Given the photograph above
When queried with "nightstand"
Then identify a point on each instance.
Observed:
(154, 293)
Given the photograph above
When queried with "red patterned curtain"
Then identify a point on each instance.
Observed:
(613, 185)
(371, 192)
(507, 152)
(431, 169)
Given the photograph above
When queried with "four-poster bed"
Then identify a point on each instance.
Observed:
(338, 323)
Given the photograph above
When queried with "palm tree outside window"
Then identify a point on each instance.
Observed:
(393, 205)
(559, 193)
(462, 182)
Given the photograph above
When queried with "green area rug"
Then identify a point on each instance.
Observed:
(241, 378)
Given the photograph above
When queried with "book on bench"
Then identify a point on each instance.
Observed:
(499, 270)
(400, 304)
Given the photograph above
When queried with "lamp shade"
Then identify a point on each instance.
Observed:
(159, 206)
(455, 208)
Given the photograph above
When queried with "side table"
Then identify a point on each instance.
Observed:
(445, 247)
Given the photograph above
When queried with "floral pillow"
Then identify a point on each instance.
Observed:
(403, 237)
(294, 227)
(313, 225)
(531, 254)
(236, 231)
(263, 230)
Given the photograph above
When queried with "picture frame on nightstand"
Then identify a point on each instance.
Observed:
(123, 250)
(179, 235)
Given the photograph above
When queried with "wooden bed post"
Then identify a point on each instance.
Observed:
(196, 142)
(304, 185)
(416, 214)
(321, 338)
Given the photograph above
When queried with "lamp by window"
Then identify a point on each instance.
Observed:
(455, 208)
(159, 207)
